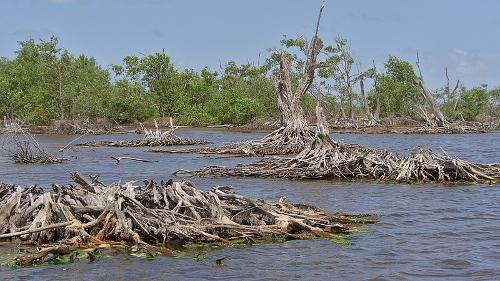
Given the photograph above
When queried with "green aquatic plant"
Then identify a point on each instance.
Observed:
(340, 239)
(358, 229)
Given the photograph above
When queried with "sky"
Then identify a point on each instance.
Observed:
(462, 35)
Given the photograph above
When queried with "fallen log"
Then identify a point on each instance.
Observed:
(89, 214)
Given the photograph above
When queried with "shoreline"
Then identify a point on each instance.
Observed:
(250, 127)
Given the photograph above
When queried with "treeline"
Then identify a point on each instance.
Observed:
(45, 82)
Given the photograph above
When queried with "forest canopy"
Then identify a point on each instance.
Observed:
(45, 82)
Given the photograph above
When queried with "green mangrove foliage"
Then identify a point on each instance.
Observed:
(44, 83)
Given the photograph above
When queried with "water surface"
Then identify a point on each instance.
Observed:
(427, 232)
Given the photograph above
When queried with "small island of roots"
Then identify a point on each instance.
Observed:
(90, 215)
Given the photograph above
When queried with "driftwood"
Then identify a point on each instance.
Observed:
(87, 214)
(459, 127)
(325, 158)
(151, 137)
(120, 158)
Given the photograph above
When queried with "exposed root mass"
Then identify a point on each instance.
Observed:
(283, 141)
(452, 128)
(151, 138)
(90, 213)
(325, 158)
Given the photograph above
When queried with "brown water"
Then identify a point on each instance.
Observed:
(427, 232)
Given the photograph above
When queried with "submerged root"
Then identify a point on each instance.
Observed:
(86, 214)
(283, 141)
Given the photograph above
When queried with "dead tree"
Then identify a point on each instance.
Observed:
(294, 134)
(437, 118)
(29, 152)
(25, 149)
(372, 120)
(376, 115)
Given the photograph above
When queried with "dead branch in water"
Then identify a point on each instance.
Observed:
(84, 215)
(119, 159)
(27, 150)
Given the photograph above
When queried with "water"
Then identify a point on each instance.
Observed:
(427, 232)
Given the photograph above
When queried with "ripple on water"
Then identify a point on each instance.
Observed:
(427, 232)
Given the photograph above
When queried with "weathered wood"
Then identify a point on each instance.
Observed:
(119, 159)
(151, 137)
(439, 118)
(86, 214)
(325, 158)
(30, 231)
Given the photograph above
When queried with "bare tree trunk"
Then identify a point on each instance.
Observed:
(294, 134)
(292, 113)
(369, 115)
(349, 91)
(61, 106)
(436, 111)
(377, 109)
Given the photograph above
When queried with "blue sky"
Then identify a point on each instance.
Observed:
(463, 35)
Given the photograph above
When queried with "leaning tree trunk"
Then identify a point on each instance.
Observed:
(436, 111)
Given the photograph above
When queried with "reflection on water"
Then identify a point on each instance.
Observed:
(426, 232)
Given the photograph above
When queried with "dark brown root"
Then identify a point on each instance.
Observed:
(85, 215)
